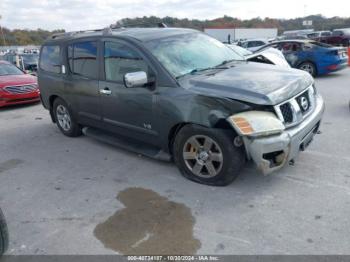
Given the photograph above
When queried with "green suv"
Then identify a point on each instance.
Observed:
(178, 94)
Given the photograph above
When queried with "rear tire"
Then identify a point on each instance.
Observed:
(308, 67)
(65, 119)
(4, 238)
(207, 155)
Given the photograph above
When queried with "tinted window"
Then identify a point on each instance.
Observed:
(50, 59)
(251, 44)
(338, 33)
(120, 59)
(83, 59)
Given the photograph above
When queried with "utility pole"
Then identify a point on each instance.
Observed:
(2, 33)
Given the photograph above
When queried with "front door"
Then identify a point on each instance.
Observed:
(127, 111)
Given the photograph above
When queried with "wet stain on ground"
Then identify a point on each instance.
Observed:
(10, 164)
(149, 224)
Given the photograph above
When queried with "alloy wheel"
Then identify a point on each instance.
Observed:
(308, 68)
(63, 117)
(203, 156)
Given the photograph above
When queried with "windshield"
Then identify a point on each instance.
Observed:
(6, 69)
(187, 53)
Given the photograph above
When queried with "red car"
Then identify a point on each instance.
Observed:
(17, 87)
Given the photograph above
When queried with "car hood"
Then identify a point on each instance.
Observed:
(273, 55)
(10, 80)
(250, 82)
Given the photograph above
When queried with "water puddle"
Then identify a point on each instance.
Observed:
(148, 225)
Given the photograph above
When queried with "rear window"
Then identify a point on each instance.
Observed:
(82, 59)
(50, 60)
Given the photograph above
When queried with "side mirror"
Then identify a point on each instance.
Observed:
(135, 79)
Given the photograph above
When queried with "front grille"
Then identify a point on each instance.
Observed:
(294, 110)
(287, 113)
(25, 89)
(304, 102)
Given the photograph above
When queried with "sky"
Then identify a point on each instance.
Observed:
(94, 14)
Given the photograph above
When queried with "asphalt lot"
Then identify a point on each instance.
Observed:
(56, 190)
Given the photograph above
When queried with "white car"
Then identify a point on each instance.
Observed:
(267, 56)
(253, 44)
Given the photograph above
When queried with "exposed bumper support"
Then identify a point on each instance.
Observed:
(273, 152)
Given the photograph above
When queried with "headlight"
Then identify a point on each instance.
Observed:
(256, 123)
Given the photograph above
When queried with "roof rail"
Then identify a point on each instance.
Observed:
(67, 34)
(105, 31)
(119, 25)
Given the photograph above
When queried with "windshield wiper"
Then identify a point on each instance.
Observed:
(195, 71)
(225, 62)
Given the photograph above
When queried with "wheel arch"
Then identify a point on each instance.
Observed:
(52, 99)
(311, 62)
(221, 123)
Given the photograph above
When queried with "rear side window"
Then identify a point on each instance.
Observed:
(50, 60)
(82, 59)
(338, 33)
(120, 59)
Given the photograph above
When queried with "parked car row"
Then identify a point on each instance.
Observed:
(339, 37)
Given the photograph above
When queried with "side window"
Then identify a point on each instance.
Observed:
(82, 58)
(251, 44)
(296, 47)
(120, 59)
(50, 59)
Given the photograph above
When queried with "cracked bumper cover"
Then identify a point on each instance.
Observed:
(288, 143)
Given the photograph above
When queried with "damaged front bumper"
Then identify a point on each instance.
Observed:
(273, 152)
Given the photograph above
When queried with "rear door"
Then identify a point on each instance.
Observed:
(82, 82)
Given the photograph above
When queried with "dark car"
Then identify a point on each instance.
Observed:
(172, 93)
(3, 234)
(312, 56)
(339, 37)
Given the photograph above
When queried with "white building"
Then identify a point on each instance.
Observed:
(224, 34)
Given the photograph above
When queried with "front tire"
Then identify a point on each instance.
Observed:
(65, 119)
(207, 155)
(308, 67)
(4, 239)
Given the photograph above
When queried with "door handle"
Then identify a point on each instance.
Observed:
(105, 91)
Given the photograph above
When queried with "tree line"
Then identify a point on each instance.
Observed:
(36, 37)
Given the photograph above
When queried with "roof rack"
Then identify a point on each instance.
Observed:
(67, 34)
(105, 31)
(119, 25)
